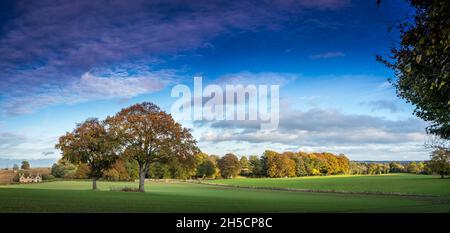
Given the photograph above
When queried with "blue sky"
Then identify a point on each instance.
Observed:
(64, 62)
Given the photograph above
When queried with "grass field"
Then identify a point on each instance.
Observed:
(75, 196)
(392, 183)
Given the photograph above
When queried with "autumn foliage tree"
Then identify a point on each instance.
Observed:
(229, 166)
(92, 144)
(149, 135)
(279, 165)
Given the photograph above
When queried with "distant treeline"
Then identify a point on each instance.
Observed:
(384, 167)
(270, 164)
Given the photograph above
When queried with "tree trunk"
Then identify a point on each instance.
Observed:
(94, 184)
(141, 178)
(442, 175)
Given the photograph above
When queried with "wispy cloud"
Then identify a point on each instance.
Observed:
(327, 55)
(379, 105)
(15, 145)
(110, 84)
(261, 78)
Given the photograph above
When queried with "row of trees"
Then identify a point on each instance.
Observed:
(377, 168)
(438, 164)
(270, 164)
(290, 164)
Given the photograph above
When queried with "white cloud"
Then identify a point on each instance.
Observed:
(358, 136)
(17, 146)
(91, 86)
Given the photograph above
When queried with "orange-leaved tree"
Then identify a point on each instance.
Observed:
(92, 144)
(148, 135)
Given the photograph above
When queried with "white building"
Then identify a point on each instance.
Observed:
(30, 179)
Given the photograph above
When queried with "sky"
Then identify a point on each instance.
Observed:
(64, 61)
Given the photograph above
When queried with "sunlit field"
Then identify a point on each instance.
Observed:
(76, 196)
(391, 183)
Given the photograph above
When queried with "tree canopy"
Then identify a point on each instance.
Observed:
(90, 143)
(440, 162)
(229, 166)
(149, 135)
(422, 65)
(25, 165)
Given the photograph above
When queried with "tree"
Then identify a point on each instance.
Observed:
(395, 167)
(344, 164)
(313, 165)
(182, 169)
(229, 166)
(300, 165)
(279, 165)
(245, 166)
(200, 158)
(440, 162)
(413, 168)
(421, 168)
(64, 169)
(422, 65)
(25, 165)
(373, 169)
(256, 166)
(132, 169)
(90, 143)
(207, 168)
(15, 167)
(82, 171)
(118, 171)
(111, 175)
(148, 135)
(159, 170)
(357, 168)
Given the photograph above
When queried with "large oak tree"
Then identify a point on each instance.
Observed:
(92, 144)
(149, 135)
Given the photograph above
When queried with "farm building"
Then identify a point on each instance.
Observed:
(30, 179)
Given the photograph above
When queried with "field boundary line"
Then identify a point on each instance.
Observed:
(311, 190)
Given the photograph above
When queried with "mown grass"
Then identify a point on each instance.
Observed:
(76, 196)
(392, 183)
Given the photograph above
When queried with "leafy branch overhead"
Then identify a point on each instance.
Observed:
(422, 66)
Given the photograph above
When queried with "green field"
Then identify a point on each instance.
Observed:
(75, 196)
(392, 183)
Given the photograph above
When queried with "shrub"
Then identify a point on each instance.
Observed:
(125, 189)
(47, 177)
(63, 169)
